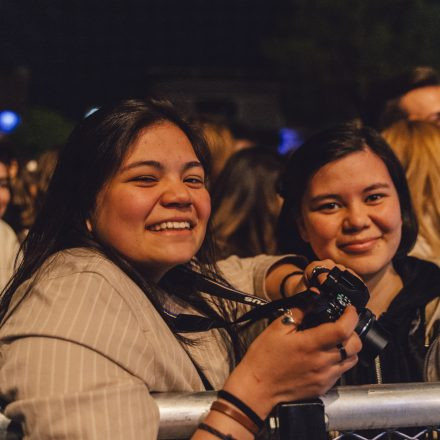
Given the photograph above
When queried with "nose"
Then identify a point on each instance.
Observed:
(357, 218)
(176, 194)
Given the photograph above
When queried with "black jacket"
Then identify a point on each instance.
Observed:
(403, 358)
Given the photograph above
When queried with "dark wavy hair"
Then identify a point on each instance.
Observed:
(92, 155)
(325, 147)
(245, 207)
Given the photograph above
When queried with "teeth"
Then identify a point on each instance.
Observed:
(170, 225)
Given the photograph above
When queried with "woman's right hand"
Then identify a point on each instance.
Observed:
(284, 364)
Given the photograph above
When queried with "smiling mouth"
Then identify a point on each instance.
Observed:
(358, 246)
(170, 226)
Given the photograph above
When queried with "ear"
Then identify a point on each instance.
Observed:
(302, 229)
(89, 225)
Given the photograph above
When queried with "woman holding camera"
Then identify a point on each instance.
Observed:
(90, 324)
(346, 200)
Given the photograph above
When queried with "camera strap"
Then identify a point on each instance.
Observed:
(262, 308)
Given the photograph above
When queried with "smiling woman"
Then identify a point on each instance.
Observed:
(155, 211)
(346, 200)
(90, 324)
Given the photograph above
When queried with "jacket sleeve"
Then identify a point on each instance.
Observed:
(72, 358)
(249, 274)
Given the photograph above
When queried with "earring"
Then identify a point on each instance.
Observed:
(89, 225)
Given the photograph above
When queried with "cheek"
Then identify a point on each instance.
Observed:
(391, 219)
(321, 234)
(203, 206)
(119, 212)
(319, 229)
(129, 207)
(132, 208)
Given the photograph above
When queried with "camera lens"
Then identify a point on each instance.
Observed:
(373, 336)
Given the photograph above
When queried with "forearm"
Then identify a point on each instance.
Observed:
(287, 274)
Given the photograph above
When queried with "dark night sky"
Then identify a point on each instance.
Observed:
(80, 51)
(324, 54)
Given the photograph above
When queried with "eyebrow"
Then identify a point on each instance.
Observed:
(373, 187)
(159, 166)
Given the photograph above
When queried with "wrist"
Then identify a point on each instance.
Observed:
(251, 391)
(290, 282)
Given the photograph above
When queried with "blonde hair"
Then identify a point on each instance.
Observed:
(417, 145)
(220, 143)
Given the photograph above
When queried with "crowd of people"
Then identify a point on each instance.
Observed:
(128, 282)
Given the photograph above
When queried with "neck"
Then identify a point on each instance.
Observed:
(383, 287)
(152, 273)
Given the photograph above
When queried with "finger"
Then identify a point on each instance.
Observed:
(316, 265)
(316, 271)
(328, 335)
(348, 363)
(286, 325)
(348, 349)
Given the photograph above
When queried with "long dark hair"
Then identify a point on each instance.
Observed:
(245, 207)
(325, 147)
(92, 155)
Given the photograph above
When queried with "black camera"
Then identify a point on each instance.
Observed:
(340, 289)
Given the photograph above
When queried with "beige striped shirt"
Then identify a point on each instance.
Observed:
(81, 353)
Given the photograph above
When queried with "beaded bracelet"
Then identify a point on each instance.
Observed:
(215, 432)
(239, 417)
(284, 280)
(242, 407)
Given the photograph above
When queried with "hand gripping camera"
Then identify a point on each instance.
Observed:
(340, 289)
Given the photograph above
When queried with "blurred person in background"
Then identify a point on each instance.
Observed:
(243, 136)
(8, 152)
(220, 143)
(28, 189)
(417, 145)
(24, 190)
(412, 95)
(46, 164)
(8, 240)
(245, 204)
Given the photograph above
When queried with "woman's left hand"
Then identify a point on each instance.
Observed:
(300, 282)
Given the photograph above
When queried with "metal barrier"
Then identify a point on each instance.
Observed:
(351, 408)
(343, 409)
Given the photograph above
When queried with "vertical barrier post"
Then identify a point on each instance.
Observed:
(302, 420)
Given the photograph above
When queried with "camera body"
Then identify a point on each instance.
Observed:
(340, 289)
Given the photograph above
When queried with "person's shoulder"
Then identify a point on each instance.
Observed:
(6, 232)
(419, 271)
(83, 265)
(421, 264)
(87, 267)
(76, 260)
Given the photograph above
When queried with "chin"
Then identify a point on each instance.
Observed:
(367, 270)
(176, 259)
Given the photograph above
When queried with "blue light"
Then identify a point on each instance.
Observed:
(9, 121)
(290, 140)
(90, 111)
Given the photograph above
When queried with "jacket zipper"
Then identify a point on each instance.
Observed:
(378, 368)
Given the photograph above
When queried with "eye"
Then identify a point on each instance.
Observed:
(374, 197)
(145, 180)
(195, 181)
(328, 207)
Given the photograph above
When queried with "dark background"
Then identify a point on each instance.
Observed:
(312, 62)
